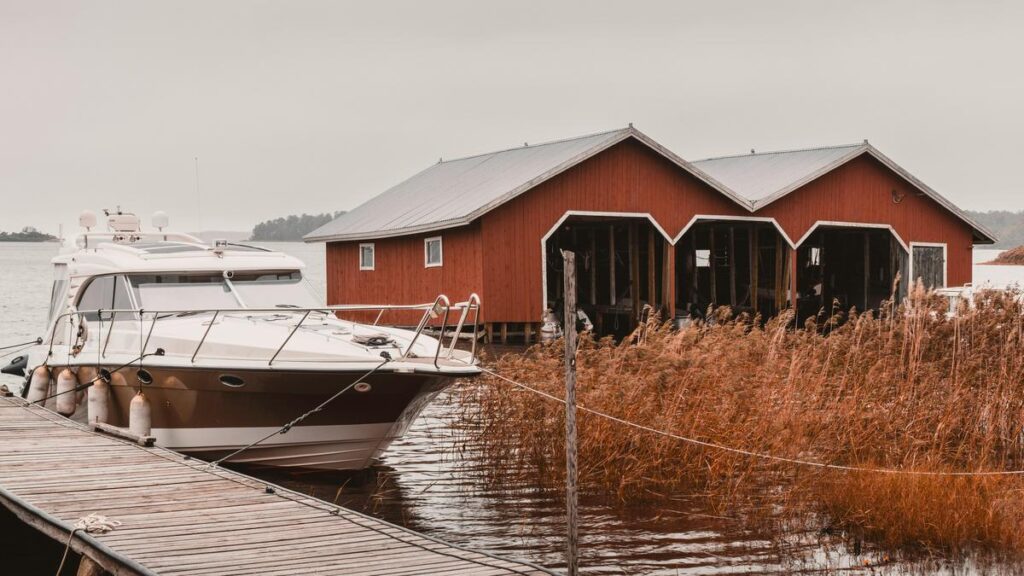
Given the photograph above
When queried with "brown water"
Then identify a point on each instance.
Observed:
(429, 481)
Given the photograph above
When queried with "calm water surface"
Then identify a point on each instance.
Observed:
(427, 481)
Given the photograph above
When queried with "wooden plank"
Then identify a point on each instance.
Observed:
(180, 516)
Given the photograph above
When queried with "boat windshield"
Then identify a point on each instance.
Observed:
(274, 290)
(182, 291)
(285, 289)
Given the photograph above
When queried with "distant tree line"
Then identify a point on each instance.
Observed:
(1007, 226)
(291, 228)
(27, 234)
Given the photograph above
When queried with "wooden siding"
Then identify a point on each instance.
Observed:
(500, 257)
(629, 177)
(400, 276)
(862, 191)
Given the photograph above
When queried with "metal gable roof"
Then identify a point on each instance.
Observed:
(455, 192)
(762, 178)
(451, 193)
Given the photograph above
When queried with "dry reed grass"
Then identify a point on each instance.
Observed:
(908, 389)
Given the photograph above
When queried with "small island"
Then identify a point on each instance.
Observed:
(291, 228)
(27, 234)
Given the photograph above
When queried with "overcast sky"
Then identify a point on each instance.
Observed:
(316, 106)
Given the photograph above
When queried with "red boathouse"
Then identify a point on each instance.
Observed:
(759, 232)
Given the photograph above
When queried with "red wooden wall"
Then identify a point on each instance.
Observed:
(628, 177)
(499, 256)
(861, 191)
(399, 275)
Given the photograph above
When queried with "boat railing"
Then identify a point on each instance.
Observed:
(440, 309)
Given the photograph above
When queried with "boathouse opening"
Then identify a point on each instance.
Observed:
(736, 263)
(845, 267)
(621, 267)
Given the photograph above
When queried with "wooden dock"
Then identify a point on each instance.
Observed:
(180, 516)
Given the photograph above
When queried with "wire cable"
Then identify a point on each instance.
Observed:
(752, 454)
(30, 342)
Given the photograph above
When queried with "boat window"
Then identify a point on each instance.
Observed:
(274, 290)
(59, 292)
(98, 295)
(159, 292)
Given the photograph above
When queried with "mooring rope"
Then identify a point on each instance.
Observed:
(750, 453)
(92, 524)
(284, 429)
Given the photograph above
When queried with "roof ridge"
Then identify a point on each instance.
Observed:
(547, 143)
(790, 151)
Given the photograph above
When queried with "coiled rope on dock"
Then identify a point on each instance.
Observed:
(92, 524)
(751, 453)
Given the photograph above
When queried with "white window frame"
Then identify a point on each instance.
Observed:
(945, 261)
(373, 256)
(426, 252)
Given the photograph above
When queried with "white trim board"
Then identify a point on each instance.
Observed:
(716, 218)
(836, 224)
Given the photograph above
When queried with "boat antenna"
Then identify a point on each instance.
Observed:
(199, 199)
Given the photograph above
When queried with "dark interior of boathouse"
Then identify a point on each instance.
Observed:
(627, 264)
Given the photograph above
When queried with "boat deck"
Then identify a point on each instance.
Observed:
(180, 516)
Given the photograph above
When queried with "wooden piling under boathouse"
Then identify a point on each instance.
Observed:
(157, 512)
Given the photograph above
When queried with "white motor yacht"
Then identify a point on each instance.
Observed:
(227, 343)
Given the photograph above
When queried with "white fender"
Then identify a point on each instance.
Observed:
(67, 399)
(139, 415)
(99, 402)
(86, 374)
(39, 385)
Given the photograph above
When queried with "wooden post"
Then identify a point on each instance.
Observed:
(652, 284)
(504, 332)
(526, 333)
(611, 264)
(634, 271)
(592, 261)
(779, 270)
(732, 266)
(792, 285)
(669, 280)
(711, 265)
(572, 540)
(867, 268)
(754, 258)
(88, 567)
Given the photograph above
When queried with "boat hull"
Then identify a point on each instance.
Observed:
(211, 412)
